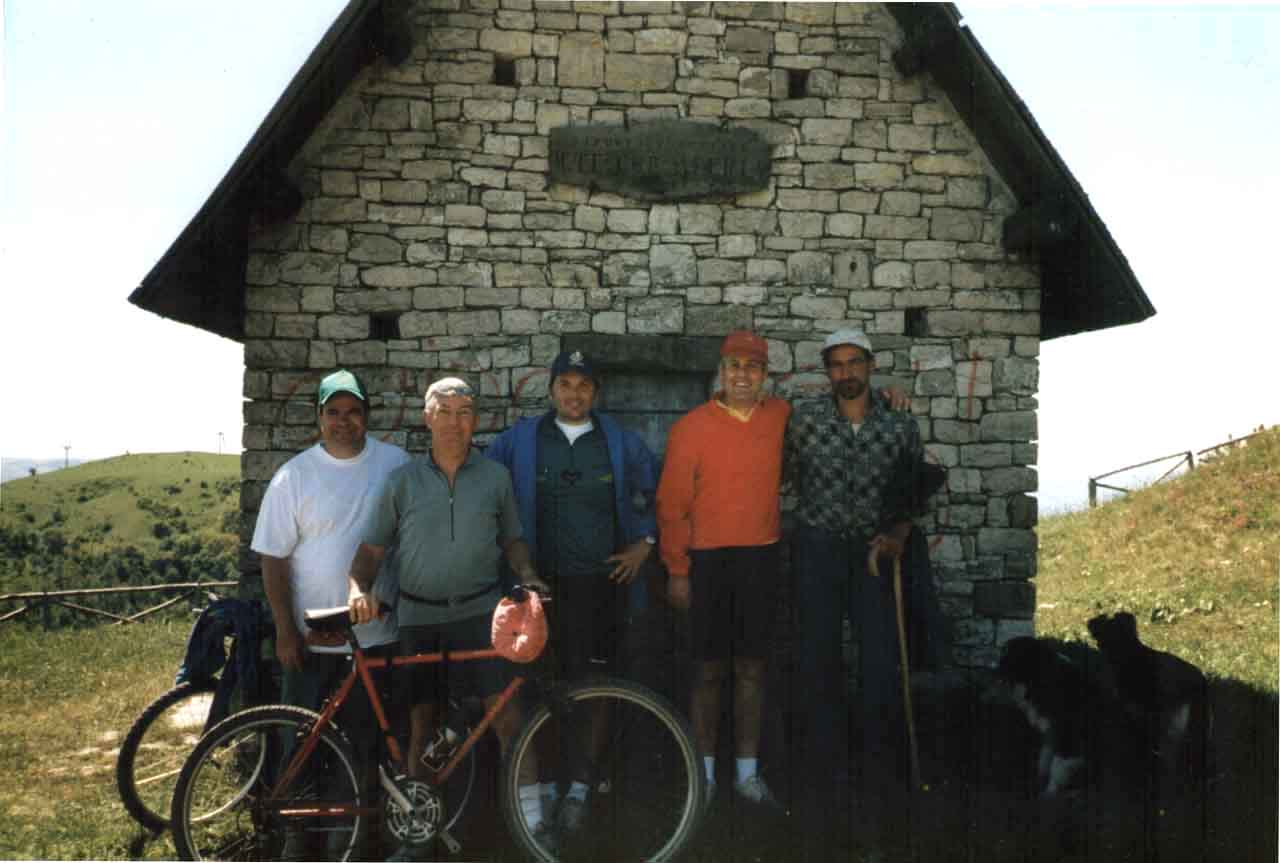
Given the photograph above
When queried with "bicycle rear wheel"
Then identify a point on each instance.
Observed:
(222, 803)
(637, 755)
(159, 741)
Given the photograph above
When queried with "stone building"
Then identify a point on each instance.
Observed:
(399, 212)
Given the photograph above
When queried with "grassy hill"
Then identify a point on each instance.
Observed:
(1197, 560)
(128, 520)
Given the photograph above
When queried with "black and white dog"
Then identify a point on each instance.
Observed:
(1164, 695)
(1052, 693)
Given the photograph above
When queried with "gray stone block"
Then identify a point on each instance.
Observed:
(418, 324)
(716, 320)
(716, 271)
(473, 323)
(809, 268)
(946, 323)
(1017, 375)
(1009, 426)
(638, 73)
(829, 176)
(893, 274)
(309, 268)
(362, 354)
(672, 265)
(275, 354)
(936, 382)
(375, 249)
(811, 306)
(1023, 511)
(437, 297)
(344, 327)
(1008, 480)
(374, 300)
(655, 315)
(954, 431)
(986, 455)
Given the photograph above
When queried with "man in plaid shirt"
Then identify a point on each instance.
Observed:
(850, 461)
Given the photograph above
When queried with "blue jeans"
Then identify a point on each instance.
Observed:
(831, 581)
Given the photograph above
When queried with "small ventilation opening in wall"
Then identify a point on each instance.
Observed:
(384, 326)
(797, 83)
(915, 323)
(504, 71)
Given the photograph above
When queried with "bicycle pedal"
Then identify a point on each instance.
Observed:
(450, 843)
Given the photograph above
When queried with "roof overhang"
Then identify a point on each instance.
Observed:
(1086, 282)
(200, 279)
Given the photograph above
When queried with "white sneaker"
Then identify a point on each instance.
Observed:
(753, 790)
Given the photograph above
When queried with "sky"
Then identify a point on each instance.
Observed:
(118, 119)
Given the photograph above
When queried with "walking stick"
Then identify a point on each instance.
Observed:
(873, 565)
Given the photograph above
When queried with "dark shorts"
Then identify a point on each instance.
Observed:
(733, 600)
(432, 683)
(588, 617)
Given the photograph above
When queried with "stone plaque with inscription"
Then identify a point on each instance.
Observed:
(664, 161)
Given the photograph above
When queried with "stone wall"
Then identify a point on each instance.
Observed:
(431, 240)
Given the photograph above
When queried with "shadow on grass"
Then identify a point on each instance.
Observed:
(978, 759)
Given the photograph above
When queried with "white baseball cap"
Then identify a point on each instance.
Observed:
(856, 338)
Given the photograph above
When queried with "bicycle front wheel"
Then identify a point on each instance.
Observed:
(634, 752)
(223, 805)
(153, 751)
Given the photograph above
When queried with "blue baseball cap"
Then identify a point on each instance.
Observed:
(573, 361)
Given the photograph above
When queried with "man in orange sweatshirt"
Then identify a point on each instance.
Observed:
(719, 523)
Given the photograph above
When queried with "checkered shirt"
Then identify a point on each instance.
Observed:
(846, 481)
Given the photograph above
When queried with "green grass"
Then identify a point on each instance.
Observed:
(70, 697)
(108, 505)
(1197, 560)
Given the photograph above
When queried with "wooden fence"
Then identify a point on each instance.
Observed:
(45, 599)
(1188, 458)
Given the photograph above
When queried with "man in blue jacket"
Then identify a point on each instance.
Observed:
(584, 488)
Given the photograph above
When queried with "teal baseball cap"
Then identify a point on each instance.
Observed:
(341, 381)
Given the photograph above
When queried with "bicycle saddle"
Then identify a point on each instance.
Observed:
(328, 619)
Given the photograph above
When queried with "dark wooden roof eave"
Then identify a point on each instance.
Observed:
(200, 279)
(1086, 281)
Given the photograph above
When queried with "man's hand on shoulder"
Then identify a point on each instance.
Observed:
(629, 560)
(898, 400)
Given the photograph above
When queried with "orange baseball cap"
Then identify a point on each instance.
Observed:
(744, 343)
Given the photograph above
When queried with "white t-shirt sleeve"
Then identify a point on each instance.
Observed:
(276, 532)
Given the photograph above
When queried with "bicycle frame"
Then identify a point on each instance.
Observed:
(361, 667)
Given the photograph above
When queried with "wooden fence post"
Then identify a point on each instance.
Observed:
(1093, 493)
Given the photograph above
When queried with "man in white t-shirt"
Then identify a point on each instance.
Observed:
(311, 521)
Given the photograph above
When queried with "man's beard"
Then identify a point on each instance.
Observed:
(850, 388)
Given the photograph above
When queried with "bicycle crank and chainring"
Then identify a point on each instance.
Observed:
(423, 823)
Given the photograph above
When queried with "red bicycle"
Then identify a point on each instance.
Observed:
(645, 769)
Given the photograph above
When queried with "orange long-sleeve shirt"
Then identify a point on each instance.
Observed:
(720, 481)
